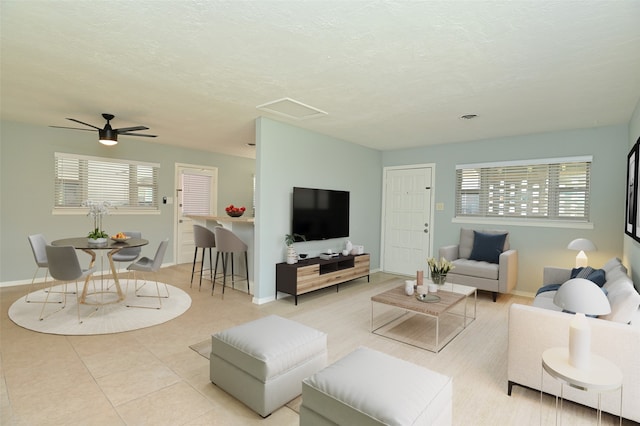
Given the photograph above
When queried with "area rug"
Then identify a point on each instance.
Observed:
(105, 319)
(204, 349)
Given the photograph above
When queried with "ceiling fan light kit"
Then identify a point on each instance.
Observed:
(108, 135)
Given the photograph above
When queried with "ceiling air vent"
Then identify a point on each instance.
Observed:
(290, 108)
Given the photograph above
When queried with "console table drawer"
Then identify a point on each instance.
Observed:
(324, 280)
(308, 273)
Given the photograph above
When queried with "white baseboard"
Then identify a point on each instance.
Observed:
(41, 279)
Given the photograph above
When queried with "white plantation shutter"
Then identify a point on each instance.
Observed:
(196, 193)
(130, 185)
(553, 189)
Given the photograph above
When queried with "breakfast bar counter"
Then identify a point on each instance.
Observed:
(224, 219)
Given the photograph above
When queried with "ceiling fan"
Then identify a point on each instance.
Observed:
(108, 135)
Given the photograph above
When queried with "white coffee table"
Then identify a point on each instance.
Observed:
(467, 291)
(400, 312)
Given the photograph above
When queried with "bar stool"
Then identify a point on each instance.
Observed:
(205, 239)
(228, 243)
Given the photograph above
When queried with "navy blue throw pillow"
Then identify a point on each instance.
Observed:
(594, 275)
(487, 247)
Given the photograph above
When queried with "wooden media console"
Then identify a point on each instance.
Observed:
(313, 274)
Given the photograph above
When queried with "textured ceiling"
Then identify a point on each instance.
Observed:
(390, 74)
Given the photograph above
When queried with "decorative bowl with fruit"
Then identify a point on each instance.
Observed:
(120, 237)
(234, 211)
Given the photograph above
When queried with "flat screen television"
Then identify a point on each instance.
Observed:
(320, 214)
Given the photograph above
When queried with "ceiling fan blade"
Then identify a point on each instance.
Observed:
(73, 128)
(138, 134)
(82, 122)
(130, 129)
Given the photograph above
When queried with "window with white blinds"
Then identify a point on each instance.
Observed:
(551, 189)
(196, 193)
(127, 185)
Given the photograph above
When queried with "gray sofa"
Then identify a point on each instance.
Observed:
(497, 274)
(616, 336)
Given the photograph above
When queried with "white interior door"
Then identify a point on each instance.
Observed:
(196, 194)
(407, 219)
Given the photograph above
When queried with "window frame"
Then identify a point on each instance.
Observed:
(552, 201)
(133, 187)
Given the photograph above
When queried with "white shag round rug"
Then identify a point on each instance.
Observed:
(99, 319)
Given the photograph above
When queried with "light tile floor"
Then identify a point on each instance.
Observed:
(152, 377)
(148, 376)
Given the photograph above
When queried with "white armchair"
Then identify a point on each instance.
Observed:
(483, 259)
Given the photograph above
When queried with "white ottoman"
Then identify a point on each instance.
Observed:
(262, 362)
(368, 387)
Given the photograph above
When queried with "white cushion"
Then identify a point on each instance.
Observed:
(475, 268)
(385, 388)
(545, 300)
(269, 346)
(466, 243)
(624, 300)
(614, 263)
(616, 274)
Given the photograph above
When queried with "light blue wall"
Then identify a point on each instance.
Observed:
(288, 156)
(631, 246)
(26, 184)
(537, 246)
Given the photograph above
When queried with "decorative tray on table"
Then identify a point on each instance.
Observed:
(427, 298)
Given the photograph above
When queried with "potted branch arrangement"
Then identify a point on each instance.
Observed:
(289, 239)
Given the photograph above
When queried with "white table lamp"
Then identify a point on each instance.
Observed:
(582, 245)
(582, 297)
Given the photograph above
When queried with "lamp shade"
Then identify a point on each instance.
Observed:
(583, 296)
(582, 244)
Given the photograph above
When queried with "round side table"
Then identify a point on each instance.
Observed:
(601, 376)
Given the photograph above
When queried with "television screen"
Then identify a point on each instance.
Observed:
(320, 214)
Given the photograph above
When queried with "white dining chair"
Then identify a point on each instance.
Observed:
(38, 245)
(128, 254)
(64, 266)
(148, 265)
